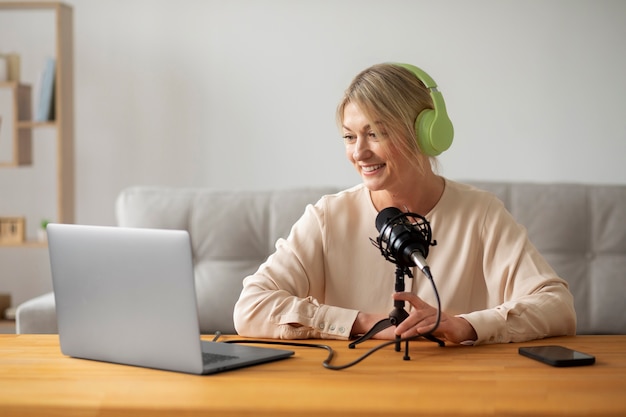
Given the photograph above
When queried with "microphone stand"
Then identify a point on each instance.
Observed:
(396, 316)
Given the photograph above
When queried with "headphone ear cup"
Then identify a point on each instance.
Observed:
(434, 132)
(423, 125)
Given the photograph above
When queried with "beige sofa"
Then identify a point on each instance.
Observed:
(580, 229)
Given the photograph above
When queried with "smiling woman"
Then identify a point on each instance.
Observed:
(322, 282)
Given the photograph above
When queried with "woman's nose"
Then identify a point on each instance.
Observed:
(360, 149)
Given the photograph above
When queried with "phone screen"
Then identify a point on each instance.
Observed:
(557, 355)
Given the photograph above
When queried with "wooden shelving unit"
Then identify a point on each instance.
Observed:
(23, 125)
(22, 137)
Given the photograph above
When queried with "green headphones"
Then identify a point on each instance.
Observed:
(433, 126)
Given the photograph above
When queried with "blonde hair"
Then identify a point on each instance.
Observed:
(391, 96)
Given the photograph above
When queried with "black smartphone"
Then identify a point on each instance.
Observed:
(557, 355)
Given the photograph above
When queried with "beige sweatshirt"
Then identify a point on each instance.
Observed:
(327, 270)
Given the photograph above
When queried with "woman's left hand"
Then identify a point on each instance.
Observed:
(423, 317)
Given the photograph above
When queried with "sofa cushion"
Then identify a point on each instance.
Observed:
(581, 231)
(232, 233)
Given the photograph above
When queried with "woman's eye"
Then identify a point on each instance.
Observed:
(372, 135)
(348, 138)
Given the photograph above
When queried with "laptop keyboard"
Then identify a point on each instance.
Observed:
(215, 357)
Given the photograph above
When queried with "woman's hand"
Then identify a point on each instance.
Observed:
(423, 317)
(365, 321)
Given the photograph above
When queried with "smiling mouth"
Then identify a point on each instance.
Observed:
(372, 168)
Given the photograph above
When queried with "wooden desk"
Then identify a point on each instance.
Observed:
(37, 380)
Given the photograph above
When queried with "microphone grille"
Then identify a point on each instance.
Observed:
(385, 215)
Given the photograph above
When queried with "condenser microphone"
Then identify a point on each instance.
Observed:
(404, 238)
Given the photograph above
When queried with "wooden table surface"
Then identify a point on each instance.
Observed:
(37, 380)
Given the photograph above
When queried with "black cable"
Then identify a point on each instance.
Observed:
(326, 364)
(426, 272)
(330, 350)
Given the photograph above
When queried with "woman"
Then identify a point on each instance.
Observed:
(326, 280)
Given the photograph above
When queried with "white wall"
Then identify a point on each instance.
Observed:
(241, 94)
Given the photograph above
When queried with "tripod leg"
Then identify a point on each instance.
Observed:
(378, 327)
(434, 339)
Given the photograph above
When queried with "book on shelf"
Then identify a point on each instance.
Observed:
(45, 99)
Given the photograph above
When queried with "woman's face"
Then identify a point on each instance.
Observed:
(378, 162)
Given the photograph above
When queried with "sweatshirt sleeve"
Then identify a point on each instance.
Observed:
(282, 298)
(536, 303)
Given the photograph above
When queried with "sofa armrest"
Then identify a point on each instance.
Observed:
(37, 315)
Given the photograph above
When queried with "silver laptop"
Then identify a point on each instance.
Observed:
(127, 296)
